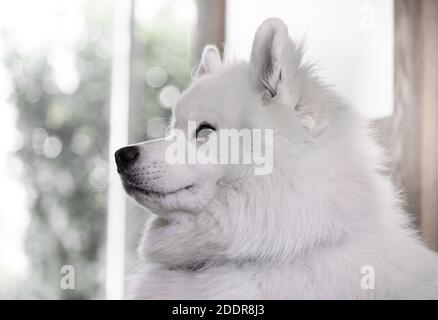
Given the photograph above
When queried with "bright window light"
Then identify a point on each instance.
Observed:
(352, 42)
(115, 253)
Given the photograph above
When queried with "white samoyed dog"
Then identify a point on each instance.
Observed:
(325, 223)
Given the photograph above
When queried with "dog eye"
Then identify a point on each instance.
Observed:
(203, 131)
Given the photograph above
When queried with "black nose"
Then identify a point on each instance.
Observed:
(126, 156)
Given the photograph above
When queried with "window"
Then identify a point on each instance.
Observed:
(351, 41)
(56, 96)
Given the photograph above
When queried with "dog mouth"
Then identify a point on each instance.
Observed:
(154, 193)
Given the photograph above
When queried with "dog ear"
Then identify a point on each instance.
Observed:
(210, 61)
(269, 54)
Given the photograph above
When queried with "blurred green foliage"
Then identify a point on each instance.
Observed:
(65, 145)
(165, 43)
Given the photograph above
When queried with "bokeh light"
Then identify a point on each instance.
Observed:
(156, 77)
(52, 147)
(156, 128)
(169, 96)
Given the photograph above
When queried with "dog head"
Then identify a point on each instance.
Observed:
(241, 98)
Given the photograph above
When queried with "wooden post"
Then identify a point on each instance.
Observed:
(429, 141)
(413, 141)
(404, 138)
(210, 27)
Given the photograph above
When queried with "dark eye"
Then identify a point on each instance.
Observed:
(203, 131)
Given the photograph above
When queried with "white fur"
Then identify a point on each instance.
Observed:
(306, 230)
